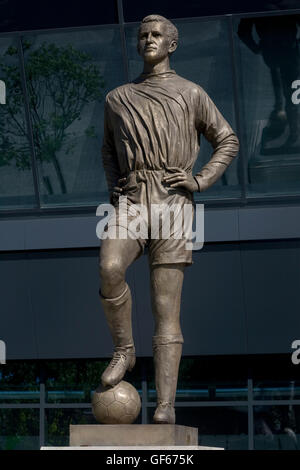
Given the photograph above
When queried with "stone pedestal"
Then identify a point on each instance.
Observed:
(132, 435)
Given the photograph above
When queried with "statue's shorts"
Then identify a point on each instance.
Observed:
(157, 216)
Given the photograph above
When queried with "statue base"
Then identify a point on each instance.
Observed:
(132, 435)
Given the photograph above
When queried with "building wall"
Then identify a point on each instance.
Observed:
(238, 298)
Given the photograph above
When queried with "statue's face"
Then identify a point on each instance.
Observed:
(154, 44)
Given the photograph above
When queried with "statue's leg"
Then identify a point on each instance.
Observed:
(166, 286)
(115, 257)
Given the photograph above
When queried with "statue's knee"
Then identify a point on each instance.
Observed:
(111, 271)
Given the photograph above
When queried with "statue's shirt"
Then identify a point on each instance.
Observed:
(152, 127)
(155, 122)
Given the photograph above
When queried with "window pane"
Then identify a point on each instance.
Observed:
(16, 182)
(58, 421)
(23, 394)
(14, 388)
(268, 72)
(206, 379)
(134, 10)
(72, 381)
(217, 426)
(68, 75)
(19, 429)
(201, 391)
(56, 14)
(277, 390)
(203, 55)
(277, 427)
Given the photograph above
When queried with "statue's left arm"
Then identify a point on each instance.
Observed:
(218, 132)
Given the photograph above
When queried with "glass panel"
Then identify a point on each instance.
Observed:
(72, 381)
(19, 429)
(201, 391)
(57, 14)
(277, 427)
(13, 389)
(217, 426)
(136, 10)
(202, 56)
(277, 390)
(58, 421)
(269, 70)
(64, 394)
(68, 75)
(16, 181)
(23, 394)
(205, 379)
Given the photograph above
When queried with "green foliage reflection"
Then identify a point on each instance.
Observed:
(61, 82)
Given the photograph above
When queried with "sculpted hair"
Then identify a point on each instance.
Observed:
(171, 28)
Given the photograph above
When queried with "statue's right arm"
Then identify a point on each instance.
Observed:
(109, 153)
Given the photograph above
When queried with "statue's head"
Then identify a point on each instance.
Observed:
(157, 38)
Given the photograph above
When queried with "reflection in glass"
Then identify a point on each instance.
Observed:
(194, 391)
(58, 421)
(16, 181)
(271, 390)
(68, 75)
(202, 56)
(19, 429)
(277, 427)
(270, 67)
(21, 394)
(12, 386)
(63, 394)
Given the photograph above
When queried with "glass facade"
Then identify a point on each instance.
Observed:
(56, 81)
(277, 427)
(268, 72)
(68, 75)
(224, 397)
(16, 176)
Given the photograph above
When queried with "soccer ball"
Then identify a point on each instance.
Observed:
(120, 404)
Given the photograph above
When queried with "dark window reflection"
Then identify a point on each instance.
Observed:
(278, 44)
(269, 73)
(135, 10)
(277, 427)
(16, 180)
(19, 429)
(34, 14)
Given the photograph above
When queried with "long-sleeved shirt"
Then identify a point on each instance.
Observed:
(155, 123)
